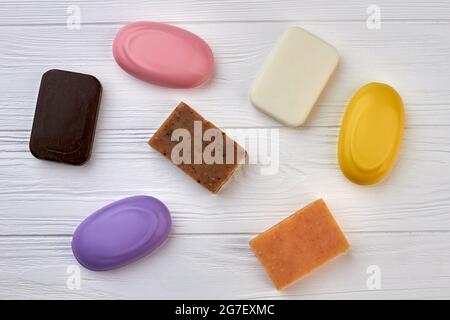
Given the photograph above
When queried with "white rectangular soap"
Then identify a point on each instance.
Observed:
(293, 77)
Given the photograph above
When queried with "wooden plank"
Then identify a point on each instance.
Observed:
(40, 197)
(109, 11)
(401, 225)
(398, 54)
(412, 266)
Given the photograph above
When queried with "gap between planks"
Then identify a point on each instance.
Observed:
(232, 234)
(175, 22)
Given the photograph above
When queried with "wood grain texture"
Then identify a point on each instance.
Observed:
(398, 54)
(221, 266)
(414, 197)
(402, 224)
(107, 11)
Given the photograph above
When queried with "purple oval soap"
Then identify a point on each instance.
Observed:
(163, 54)
(121, 232)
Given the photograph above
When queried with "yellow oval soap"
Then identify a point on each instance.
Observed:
(371, 132)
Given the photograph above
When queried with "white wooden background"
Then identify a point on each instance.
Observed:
(401, 225)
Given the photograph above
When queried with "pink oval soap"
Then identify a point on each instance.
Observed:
(163, 54)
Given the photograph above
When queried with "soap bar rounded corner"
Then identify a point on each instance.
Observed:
(288, 91)
(333, 48)
(66, 134)
(289, 122)
(163, 54)
(371, 133)
(295, 123)
(121, 232)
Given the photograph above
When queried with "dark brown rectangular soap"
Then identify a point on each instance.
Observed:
(211, 175)
(65, 117)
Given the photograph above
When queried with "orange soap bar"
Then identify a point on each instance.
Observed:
(299, 244)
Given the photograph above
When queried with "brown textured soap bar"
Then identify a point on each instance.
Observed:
(299, 244)
(65, 117)
(186, 120)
